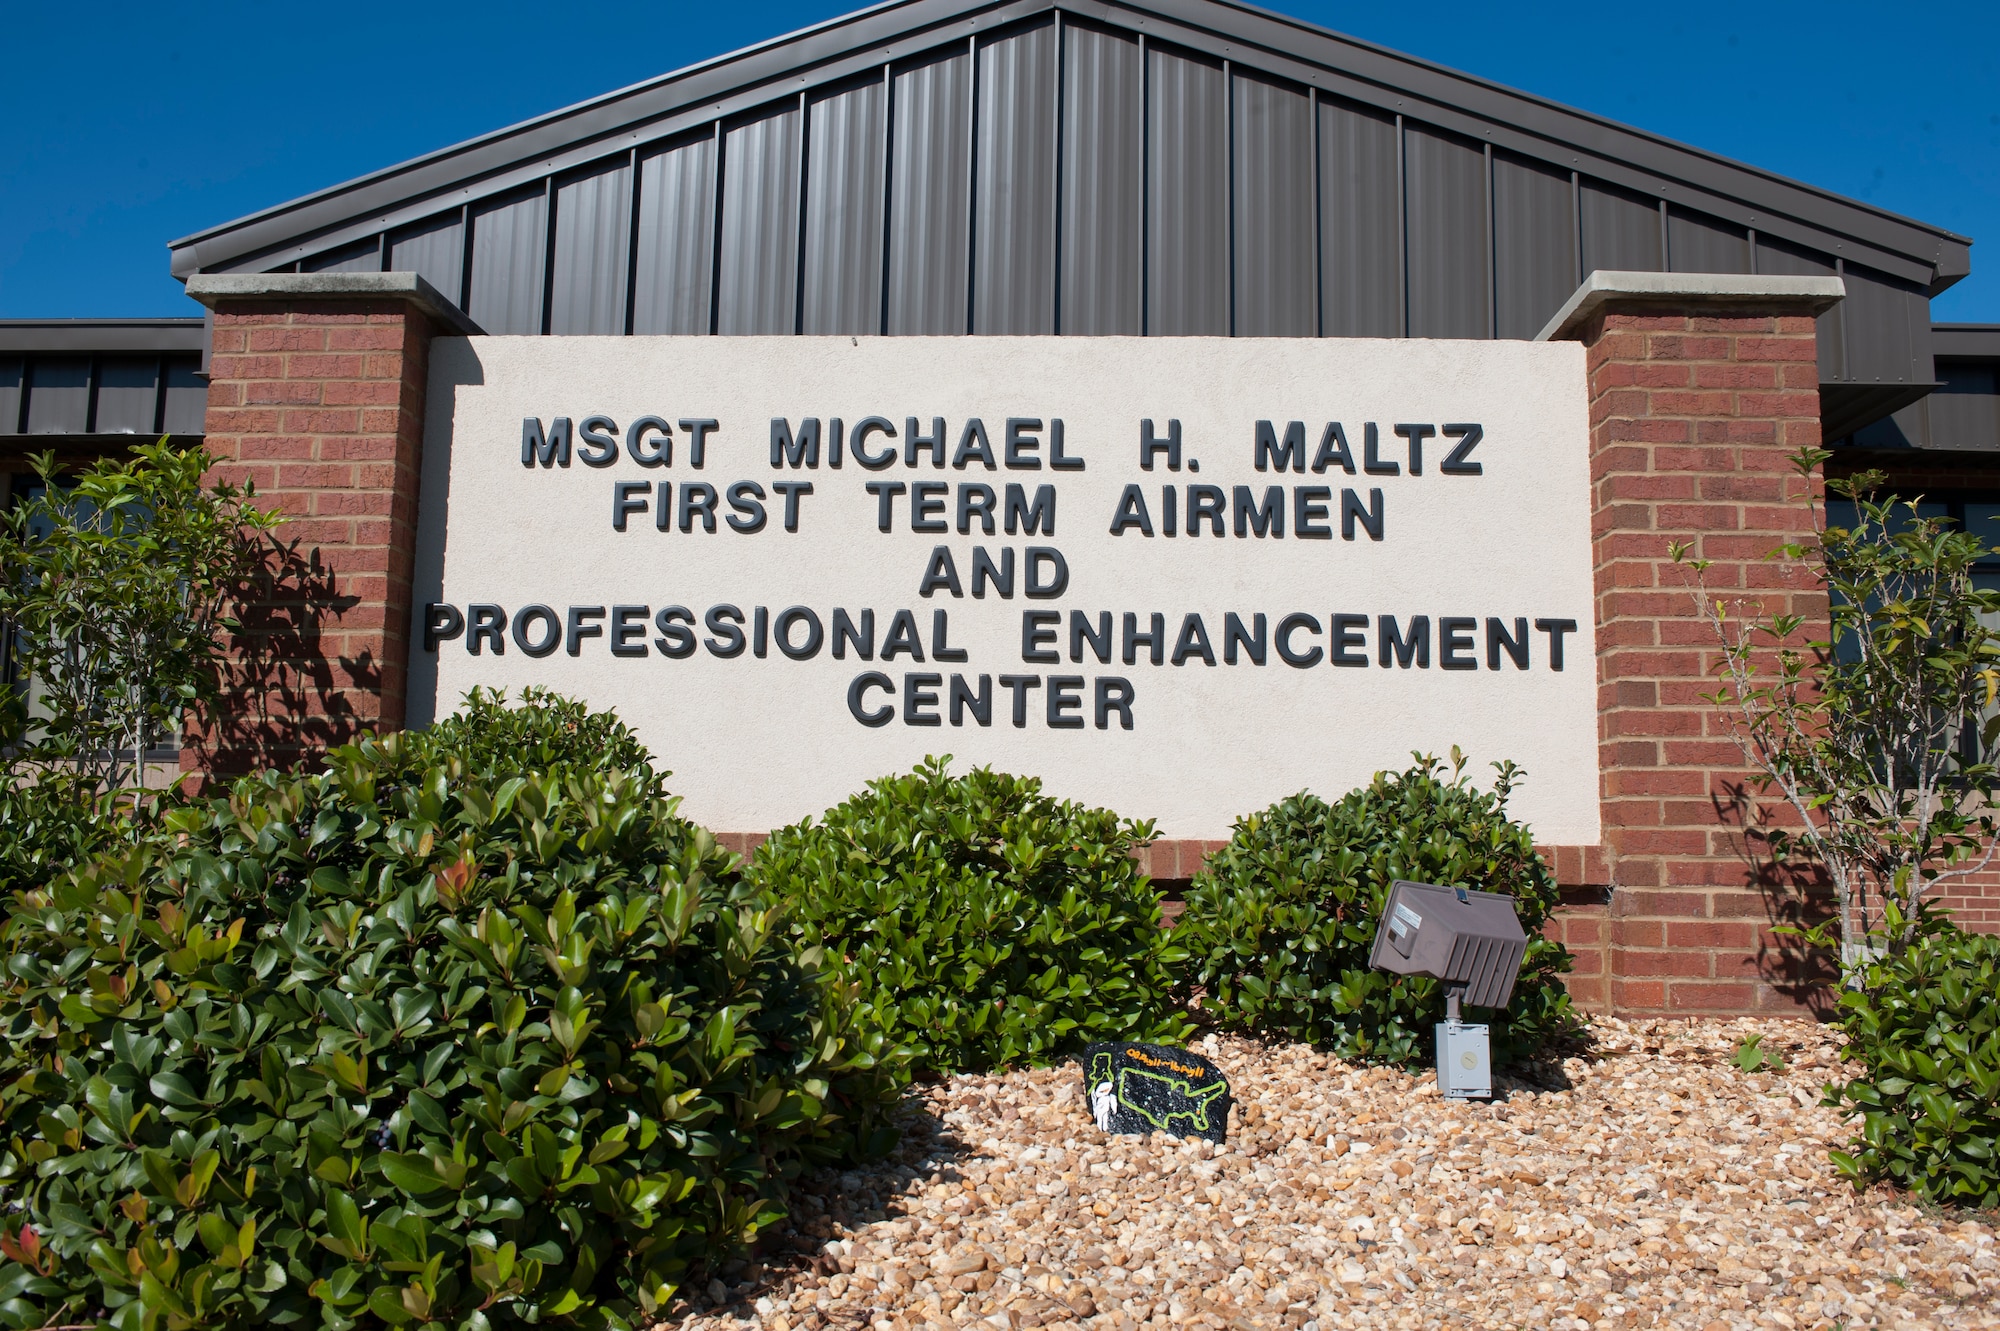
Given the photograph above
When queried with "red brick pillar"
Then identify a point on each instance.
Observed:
(316, 394)
(1700, 387)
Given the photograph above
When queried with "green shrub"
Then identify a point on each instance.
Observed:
(54, 819)
(1925, 1028)
(544, 731)
(985, 922)
(399, 1043)
(1279, 923)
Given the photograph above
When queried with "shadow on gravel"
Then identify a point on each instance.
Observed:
(830, 1203)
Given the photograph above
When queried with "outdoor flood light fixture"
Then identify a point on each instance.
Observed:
(1473, 942)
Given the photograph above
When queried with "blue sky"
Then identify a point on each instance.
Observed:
(129, 125)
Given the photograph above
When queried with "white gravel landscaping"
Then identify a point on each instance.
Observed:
(1648, 1183)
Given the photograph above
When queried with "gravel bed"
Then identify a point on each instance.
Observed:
(1649, 1183)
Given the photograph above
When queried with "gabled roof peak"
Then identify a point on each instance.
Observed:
(1257, 40)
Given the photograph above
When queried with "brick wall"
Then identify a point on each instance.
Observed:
(1692, 416)
(319, 403)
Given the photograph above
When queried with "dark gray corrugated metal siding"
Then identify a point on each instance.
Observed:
(675, 272)
(930, 195)
(757, 270)
(435, 251)
(1445, 185)
(1361, 219)
(59, 395)
(509, 248)
(592, 241)
(1102, 179)
(1535, 260)
(1274, 236)
(844, 178)
(1786, 260)
(1621, 230)
(1697, 244)
(1075, 176)
(128, 390)
(1965, 408)
(1187, 196)
(362, 257)
(101, 376)
(10, 394)
(1888, 329)
(185, 406)
(1014, 236)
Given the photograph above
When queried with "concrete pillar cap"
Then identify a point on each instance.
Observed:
(211, 289)
(1808, 295)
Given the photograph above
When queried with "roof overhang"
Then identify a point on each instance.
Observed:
(1965, 341)
(90, 336)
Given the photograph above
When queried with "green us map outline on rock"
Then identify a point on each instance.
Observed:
(1100, 1072)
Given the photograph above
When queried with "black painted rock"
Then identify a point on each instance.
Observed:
(1155, 1088)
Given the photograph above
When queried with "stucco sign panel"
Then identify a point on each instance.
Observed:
(1179, 577)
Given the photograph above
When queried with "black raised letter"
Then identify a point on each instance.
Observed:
(1347, 640)
(1058, 582)
(1271, 455)
(1132, 512)
(1233, 636)
(1455, 644)
(628, 638)
(859, 443)
(743, 497)
(1468, 437)
(1289, 625)
(791, 490)
(781, 629)
(885, 493)
(724, 621)
(600, 433)
(1370, 517)
(1080, 633)
(1065, 694)
(552, 623)
(941, 573)
(918, 695)
(1150, 443)
(1114, 694)
(1155, 641)
(635, 442)
(1019, 685)
(698, 432)
(983, 572)
(488, 625)
(873, 679)
(1021, 443)
(1416, 434)
(442, 623)
(1555, 628)
(1265, 518)
(963, 698)
(1497, 640)
(552, 451)
(1038, 636)
(799, 451)
(676, 626)
(1416, 646)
